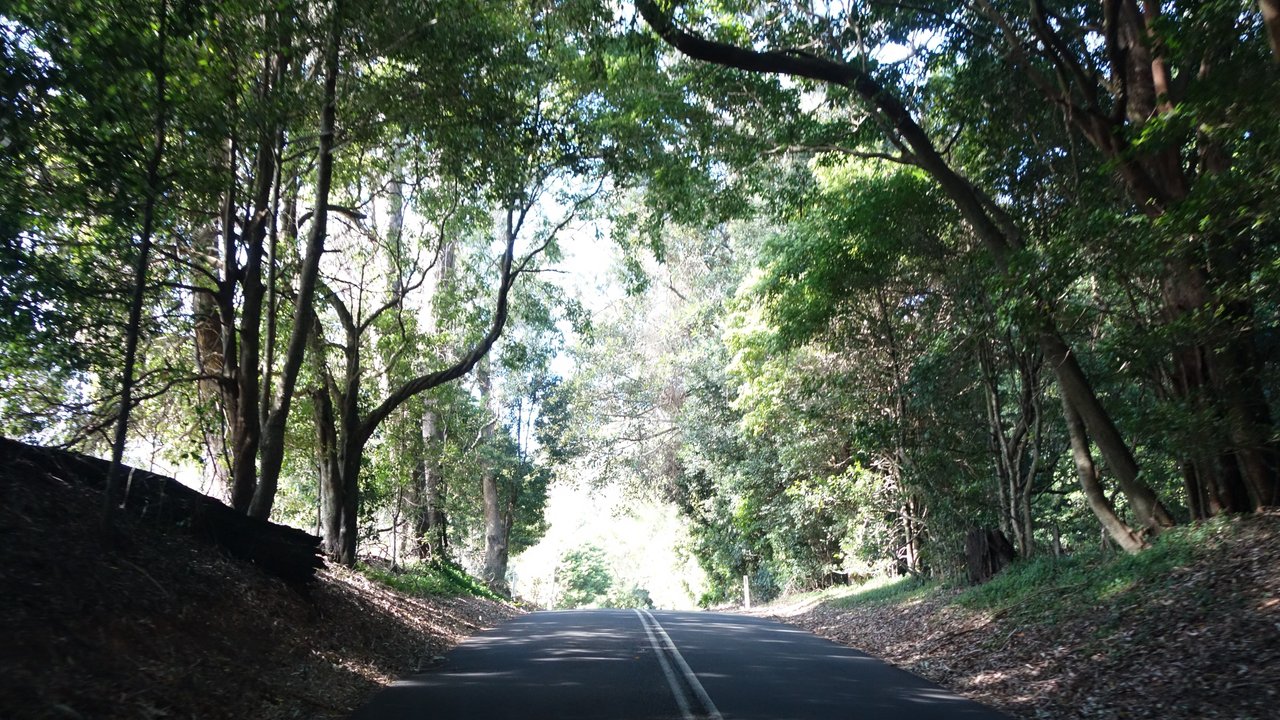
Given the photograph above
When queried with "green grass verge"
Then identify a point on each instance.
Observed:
(431, 579)
(1046, 588)
(881, 590)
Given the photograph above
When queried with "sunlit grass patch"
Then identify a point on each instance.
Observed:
(1051, 587)
(880, 590)
(430, 579)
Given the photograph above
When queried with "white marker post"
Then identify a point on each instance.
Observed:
(746, 592)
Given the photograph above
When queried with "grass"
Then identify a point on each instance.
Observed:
(1048, 588)
(433, 579)
(1045, 588)
(881, 591)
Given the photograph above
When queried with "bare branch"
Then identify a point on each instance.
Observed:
(905, 158)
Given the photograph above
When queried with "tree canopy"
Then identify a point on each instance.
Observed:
(883, 273)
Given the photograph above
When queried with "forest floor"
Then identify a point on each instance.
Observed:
(163, 626)
(1188, 629)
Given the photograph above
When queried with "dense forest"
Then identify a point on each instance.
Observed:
(882, 273)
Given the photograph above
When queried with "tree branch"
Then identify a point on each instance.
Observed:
(997, 232)
(459, 368)
(903, 159)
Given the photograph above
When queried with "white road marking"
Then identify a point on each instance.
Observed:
(672, 682)
(712, 712)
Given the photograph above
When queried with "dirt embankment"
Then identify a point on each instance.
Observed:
(162, 626)
(1202, 642)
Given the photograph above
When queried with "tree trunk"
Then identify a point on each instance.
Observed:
(246, 423)
(1090, 482)
(348, 538)
(1271, 21)
(987, 552)
(425, 493)
(1237, 373)
(134, 329)
(1026, 533)
(433, 530)
(494, 572)
(209, 364)
(495, 536)
(339, 445)
(1076, 390)
(913, 529)
(228, 356)
(340, 497)
(272, 304)
(339, 482)
(1197, 494)
(350, 441)
(412, 503)
(1183, 294)
(329, 472)
(277, 420)
(1016, 449)
(996, 433)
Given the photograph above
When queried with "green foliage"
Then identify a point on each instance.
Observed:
(863, 226)
(817, 360)
(583, 578)
(627, 598)
(78, 108)
(872, 361)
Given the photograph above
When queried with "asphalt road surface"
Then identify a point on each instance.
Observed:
(636, 665)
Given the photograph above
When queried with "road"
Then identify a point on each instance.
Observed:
(633, 665)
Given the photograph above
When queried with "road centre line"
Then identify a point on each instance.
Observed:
(672, 682)
(712, 712)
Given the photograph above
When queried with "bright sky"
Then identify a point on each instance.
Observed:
(641, 539)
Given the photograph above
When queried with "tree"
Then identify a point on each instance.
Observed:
(95, 174)
(381, 66)
(354, 428)
(512, 482)
(133, 330)
(1123, 98)
(582, 577)
(995, 228)
(1138, 120)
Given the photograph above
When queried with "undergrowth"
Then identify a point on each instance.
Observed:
(430, 579)
(1049, 588)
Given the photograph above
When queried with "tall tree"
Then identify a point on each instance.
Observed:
(1168, 140)
(354, 426)
(996, 229)
(273, 429)
(151, 197)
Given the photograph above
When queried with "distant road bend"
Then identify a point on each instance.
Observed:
(641, 665)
